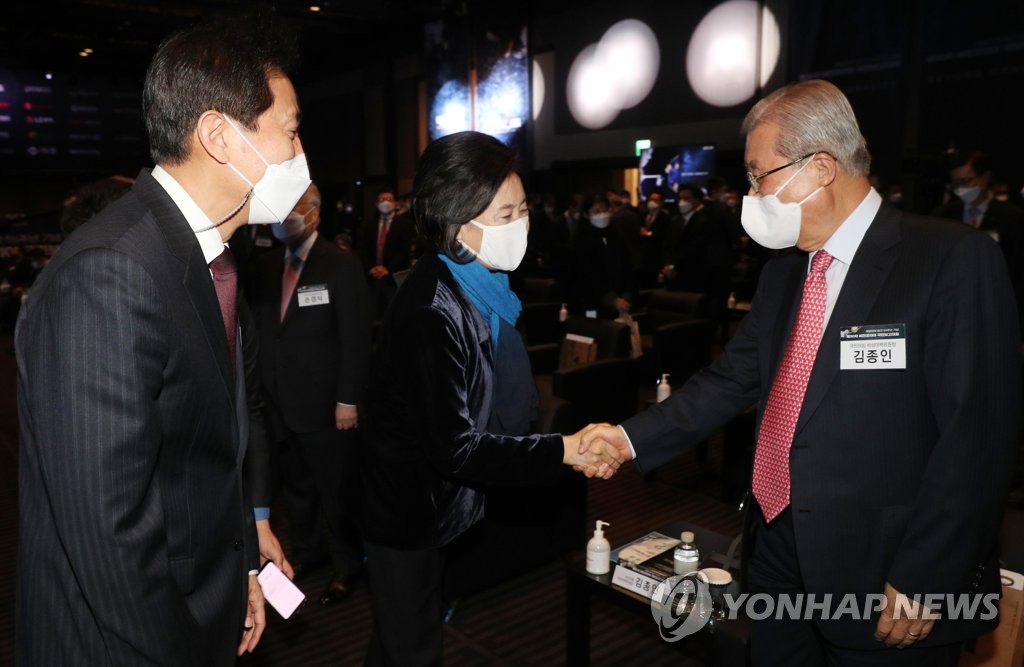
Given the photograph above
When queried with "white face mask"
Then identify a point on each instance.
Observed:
(502, 247)
(278, 190)
(772, 223)
(292, 228)
(967, 195)
(385, 207)
(600, 220)
(653, 206)
(685, 207)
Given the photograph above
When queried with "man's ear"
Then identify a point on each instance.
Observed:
(210, 133)
(825, 169)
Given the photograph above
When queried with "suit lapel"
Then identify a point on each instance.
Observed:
(182, 243)
(871, 266)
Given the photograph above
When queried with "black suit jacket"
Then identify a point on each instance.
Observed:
(319, 354)
(428, 403)
(899, 475)
(136, 532)
(400, 246)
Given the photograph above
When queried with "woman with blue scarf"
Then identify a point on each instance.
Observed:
(450, 384)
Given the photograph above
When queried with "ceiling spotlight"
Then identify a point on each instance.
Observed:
(84, 54)
(314, 8)
(49, 76)
(87, 50)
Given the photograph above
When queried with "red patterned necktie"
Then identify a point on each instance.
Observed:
(225, 282)
(289, 279)
(771, 461)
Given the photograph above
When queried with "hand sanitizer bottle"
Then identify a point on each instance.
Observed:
(664, 388)
(598, 551)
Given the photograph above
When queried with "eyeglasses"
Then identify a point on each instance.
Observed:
(755, 181)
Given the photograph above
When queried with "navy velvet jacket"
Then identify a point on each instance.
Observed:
(425, 446)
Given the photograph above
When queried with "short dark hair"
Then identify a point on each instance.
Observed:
(693, 188)
(457, 178)
(90, 199)
(223, 65)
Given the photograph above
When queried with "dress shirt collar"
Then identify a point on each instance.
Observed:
(843, 243)
(302, 252)
(210, 241)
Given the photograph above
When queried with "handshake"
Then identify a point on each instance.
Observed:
(596, 450)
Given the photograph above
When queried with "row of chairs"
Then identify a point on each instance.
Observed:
(675, 341)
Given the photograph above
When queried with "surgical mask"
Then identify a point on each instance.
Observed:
(600, 220)
(278, 190)
(292, 228)
(385, 207)
(653, 206)
(502, 247)
(685, 207)
(772, 223)
(967, 194)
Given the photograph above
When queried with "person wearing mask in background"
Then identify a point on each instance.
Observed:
(309, 300)
(387, 243)
(601, 283)
(651, 242)
(871, 481)
(450, 394)
(698, 256)
(973, 204)
(137, 537)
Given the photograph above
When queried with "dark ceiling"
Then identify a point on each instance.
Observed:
(124, 34)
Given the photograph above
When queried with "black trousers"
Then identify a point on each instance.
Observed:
(319, 488)
(406, 592)
(774, 569)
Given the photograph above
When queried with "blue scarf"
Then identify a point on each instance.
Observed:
(488, 291)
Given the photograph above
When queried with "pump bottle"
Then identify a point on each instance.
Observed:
(598, 551)
(664, 388)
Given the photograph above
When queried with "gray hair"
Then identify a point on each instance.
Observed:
(813, 116)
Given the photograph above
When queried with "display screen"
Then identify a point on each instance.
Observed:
(48, 120)
(664, 168)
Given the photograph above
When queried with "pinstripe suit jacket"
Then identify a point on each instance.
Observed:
(897, 475)
(135, 530)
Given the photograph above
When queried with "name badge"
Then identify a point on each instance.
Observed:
(312, 295)
(263, 242)
(873, 347)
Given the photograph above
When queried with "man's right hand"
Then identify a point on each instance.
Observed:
(379, 271)
(607, 433)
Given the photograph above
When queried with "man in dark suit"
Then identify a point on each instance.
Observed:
(137, 540)
(309, 300)
(885, 355)
(974, 205)
(387, 244)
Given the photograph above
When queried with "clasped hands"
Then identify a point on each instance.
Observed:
(597, 450)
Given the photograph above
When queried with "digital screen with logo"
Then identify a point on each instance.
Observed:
(49, 120)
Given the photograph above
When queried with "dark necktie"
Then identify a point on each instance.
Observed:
(771, 459)
(289, 279)
(382, 237)
(225, 282)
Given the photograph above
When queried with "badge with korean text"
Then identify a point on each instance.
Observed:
(312, 295)
(873, 347)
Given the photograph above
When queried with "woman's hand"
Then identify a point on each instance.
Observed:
(600, 460)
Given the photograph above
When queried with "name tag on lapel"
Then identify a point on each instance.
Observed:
(312, 295)
(872, 347)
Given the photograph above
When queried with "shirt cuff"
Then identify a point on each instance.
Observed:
(345, 405)
(261, 513)
(628, 442)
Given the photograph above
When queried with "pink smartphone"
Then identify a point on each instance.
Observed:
(279, 591)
